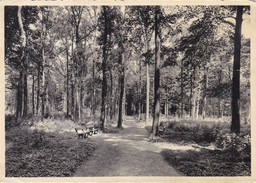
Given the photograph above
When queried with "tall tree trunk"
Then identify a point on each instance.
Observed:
(33, 93)
(43, 66)
(19, 99)
(73, 80)
(157, 74)
(25, 87)
(38, 89)
(93, 85)
(67, 89)
(204, 94)
(191, 97)
(181, 89)
(139, 98)
(219, 99)
(198, 101)
(43, 84)
(111, 95)
(22, 84)
(77, 75)
(235, 103)
(121, 97)
(104, 69)
(147, 80)
(166, 104)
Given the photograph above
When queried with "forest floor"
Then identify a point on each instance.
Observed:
(51, 149)
(127, 153)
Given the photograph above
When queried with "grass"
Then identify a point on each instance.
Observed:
(230, 157)
(45, 149)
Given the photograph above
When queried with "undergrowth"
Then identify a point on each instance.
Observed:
(207, 163)
(231, 157)
(45, 149)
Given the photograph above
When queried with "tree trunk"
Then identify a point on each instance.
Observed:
(67, 89)
(157, 74)
(104, 69)
(147, 80)
(111, 95)
(33, 94)
(21, 109)
(38, 90)
(43, 84)
(235, 124)
(198, 101)
(121, 97)
(73, 81)
(219, 99)
(139, 98)
(25, 86)
(204, 94)
(181, 89)
(191, 97)
(43, 66)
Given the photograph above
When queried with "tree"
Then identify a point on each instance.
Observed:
(157, 73)
(235, 102)
(22, 95)
(106, 21)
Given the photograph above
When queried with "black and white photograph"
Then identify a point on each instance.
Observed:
(127, 91)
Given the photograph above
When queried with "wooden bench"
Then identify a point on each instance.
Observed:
(82, 132)
(89, 129)
(92, 127)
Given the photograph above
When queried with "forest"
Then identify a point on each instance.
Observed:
(183, 72)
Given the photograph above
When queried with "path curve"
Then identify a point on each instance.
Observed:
(127, 153)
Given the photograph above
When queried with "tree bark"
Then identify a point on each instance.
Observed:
(198, 101)
(104, 69)
(157, 74)
(121, 97)
(21, 110)
(235, 103)
(33, 93)
(147, 80)
(219, 99)
(204, 94)
(67, 89)
(38, 89)
(181, 88)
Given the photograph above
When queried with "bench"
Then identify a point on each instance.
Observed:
(92, 127)
(89, 129)
(82, 132)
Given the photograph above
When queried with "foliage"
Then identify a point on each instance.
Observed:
(231, 154)
(56, 155)
(206, 163)
(238, 146)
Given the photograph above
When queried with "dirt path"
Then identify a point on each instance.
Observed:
(126, 154)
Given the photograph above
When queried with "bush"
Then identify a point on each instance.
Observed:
(238, 146)
(38, 154)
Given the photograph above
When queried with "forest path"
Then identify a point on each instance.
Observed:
(127, 153)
